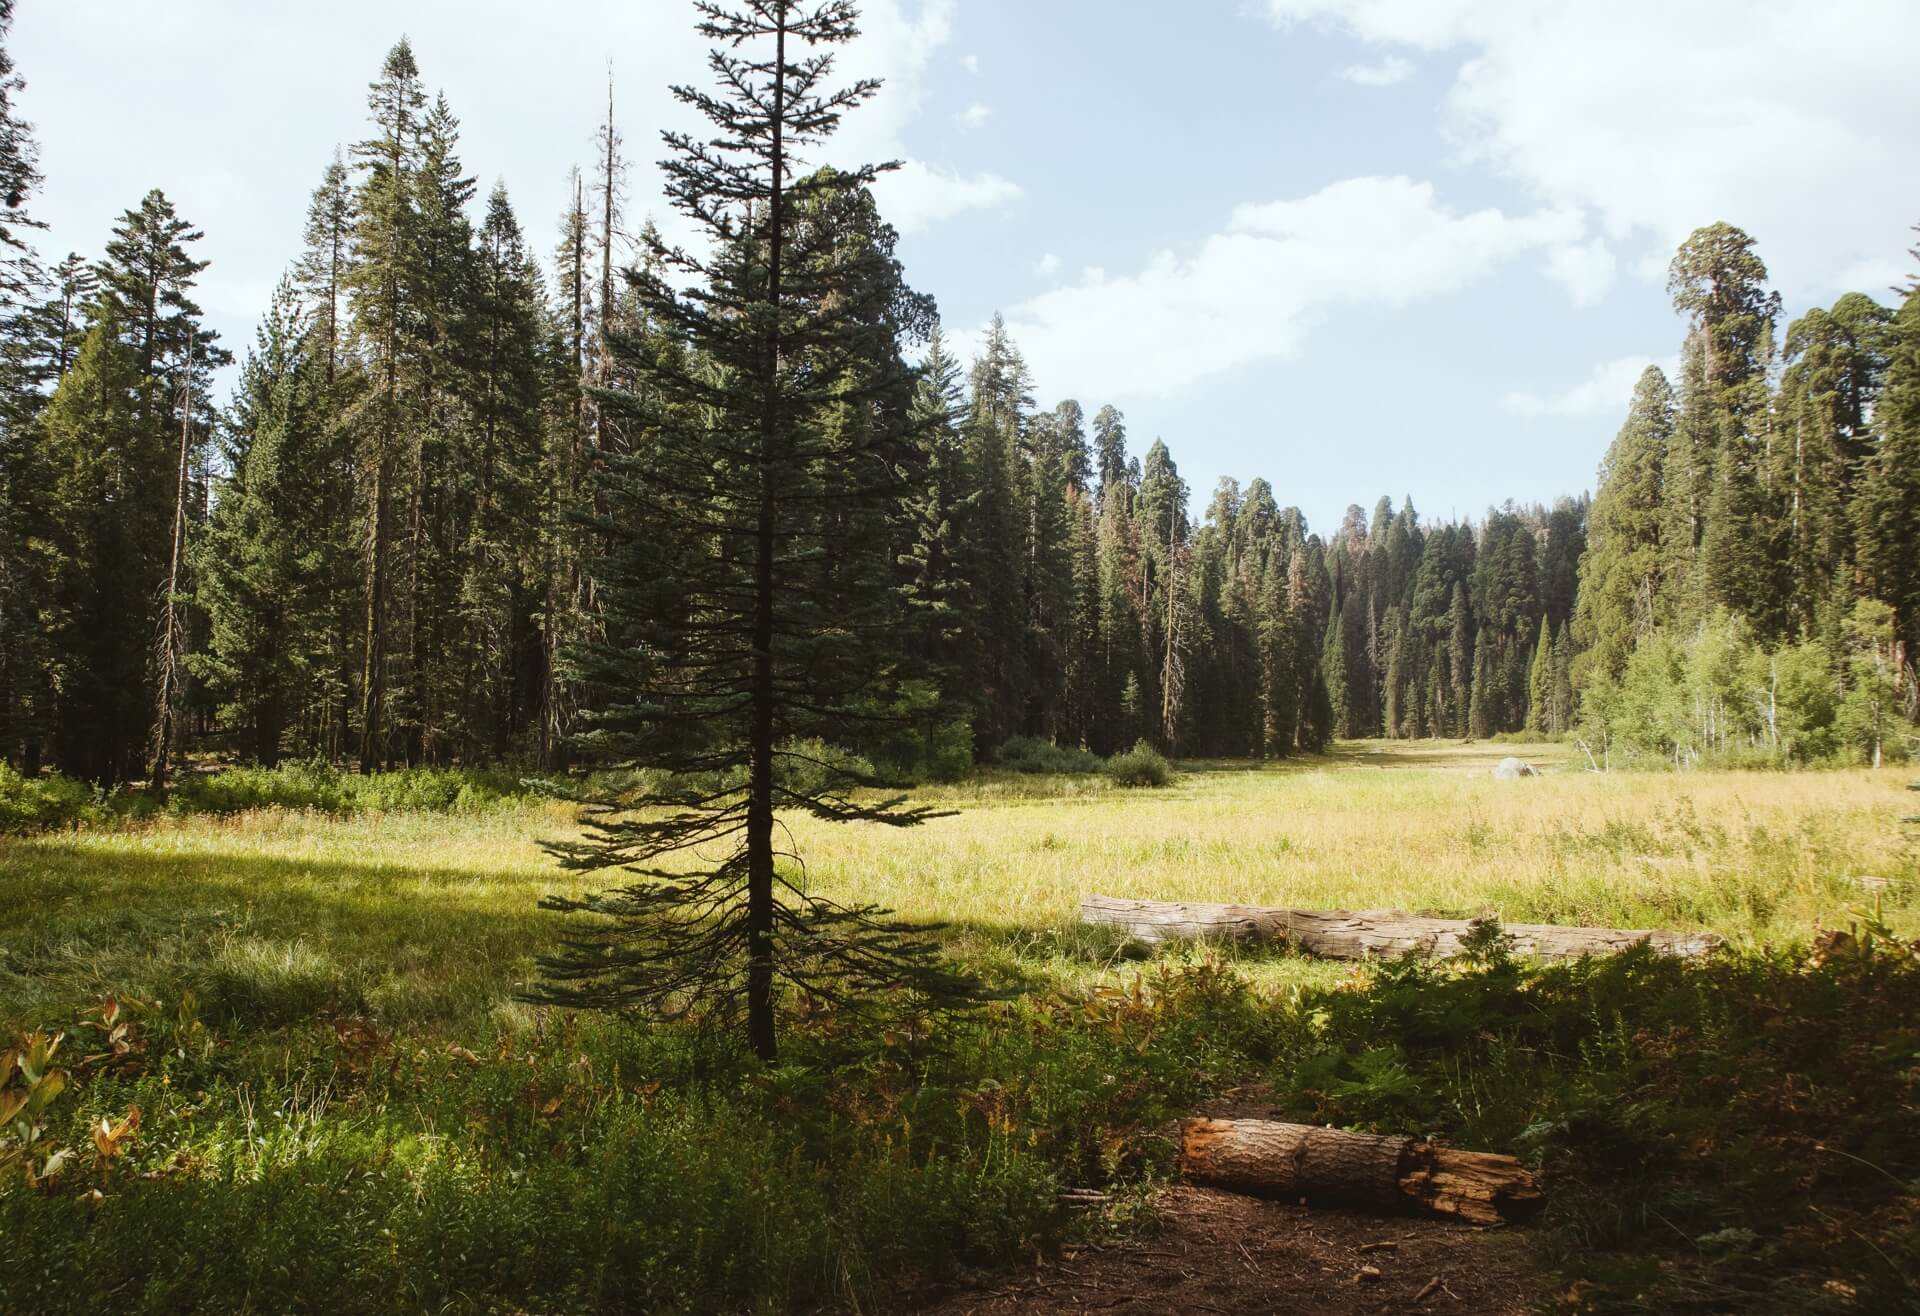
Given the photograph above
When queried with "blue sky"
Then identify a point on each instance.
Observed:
(1359, 247)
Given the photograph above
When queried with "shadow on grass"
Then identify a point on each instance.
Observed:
(261, 940)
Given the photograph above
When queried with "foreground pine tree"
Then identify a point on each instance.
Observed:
(749, 591)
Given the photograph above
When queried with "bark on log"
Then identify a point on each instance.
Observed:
(1340, 934)
(1266, 1158)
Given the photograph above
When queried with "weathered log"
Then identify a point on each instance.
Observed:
(1339, 934)
(1266, 1158)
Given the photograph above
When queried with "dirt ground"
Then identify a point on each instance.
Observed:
(1221, 1252)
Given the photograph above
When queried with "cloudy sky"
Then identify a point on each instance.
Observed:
(1356, 246)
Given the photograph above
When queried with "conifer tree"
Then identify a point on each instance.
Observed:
(1718, 282)
(322, 270)
(1886, 510)
(275, 551)
(1622, 573)
(747, 588)
(1333, 672)
(1109, 448)
(109, 494)
(1826, 401)
(19, 179)
(609, 205)
(75, 283)
(997, 533)
(1561, 707)
(1540, 719)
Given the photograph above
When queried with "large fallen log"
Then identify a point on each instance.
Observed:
(1266, 1158)
(1339, 934)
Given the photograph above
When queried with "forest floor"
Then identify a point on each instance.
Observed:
(1222, 1252)
(328, 1035)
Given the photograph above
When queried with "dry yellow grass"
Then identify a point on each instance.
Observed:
(434, 915)
(1753, 855)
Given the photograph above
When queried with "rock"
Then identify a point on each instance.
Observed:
(1512, 769)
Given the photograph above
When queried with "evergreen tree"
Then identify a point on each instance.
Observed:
(934, 559)
(1835, 359)
(1718, 282)
(384, 297)
(109, 494)
(19, 179)
(75, 284)
(1109, 448)
(1540, 719)
(1622, 571)
(1333, 673)
(748, 579)
(1886, 510)
(498, 509)
(322, 269)
(275, 553)
(997, 533)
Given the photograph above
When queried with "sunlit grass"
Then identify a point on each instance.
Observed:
(432, 918)
(342, 1095)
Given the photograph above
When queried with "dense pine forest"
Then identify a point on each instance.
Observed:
(395, 542)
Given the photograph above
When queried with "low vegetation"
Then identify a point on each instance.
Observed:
(316, 1021)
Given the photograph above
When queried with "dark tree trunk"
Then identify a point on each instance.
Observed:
(760, 911)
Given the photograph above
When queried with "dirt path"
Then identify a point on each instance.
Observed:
(1220, 1252)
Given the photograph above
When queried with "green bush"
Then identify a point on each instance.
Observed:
(37, 804)
(324, 788)
(1143, 765)
(1028, 754)
(1768, 1095)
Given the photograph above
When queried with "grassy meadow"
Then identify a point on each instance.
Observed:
(342, 1098)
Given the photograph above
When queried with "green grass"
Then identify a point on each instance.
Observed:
(345, 1105)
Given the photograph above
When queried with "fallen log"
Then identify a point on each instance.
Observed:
(1266, 1158)
(1339, 934)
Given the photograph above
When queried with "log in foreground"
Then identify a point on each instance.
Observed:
(1339, 934)
(1266, 1158)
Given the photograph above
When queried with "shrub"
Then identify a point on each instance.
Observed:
(1143, 765)
(1030, 754)
(35, 804)
(320, 786)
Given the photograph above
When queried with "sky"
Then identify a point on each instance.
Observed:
(1358, 247)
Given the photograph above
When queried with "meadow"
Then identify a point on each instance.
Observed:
(343, 1099)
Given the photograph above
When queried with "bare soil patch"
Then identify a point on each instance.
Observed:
(1222, 1252)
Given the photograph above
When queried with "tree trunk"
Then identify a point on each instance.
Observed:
(170, 646)
(1269, 1159)
(760, 910)
(1342, 935)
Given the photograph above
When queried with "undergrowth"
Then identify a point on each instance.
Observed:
(1738, 1134)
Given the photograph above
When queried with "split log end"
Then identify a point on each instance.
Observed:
(1269, 1158)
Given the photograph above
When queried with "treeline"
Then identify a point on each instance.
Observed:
(384, 550)
(392, 545)
(1752, 590)
(1083, 605)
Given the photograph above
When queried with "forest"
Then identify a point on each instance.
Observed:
(387, 546)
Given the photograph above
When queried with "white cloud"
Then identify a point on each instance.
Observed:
(1247, 292)
(917, 194)
(1047, 266)
(1586, 268)
(974, 116)
(1605, 391)
(1388, 71)
(971, 63)
(1658, 117)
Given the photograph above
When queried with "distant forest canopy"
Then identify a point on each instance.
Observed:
(387, 547)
